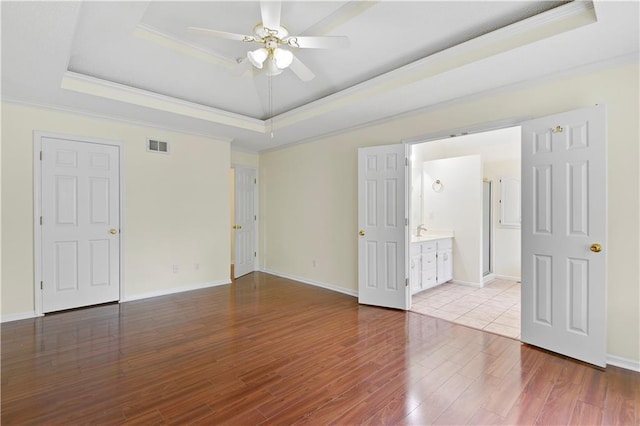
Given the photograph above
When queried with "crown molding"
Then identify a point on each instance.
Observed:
(119, 92)
(527, 31)
(632, 58)
(90, 114)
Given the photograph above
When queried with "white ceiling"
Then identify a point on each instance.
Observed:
(136, 61)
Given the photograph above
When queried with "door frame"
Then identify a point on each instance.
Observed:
(256, 199)
(440, 135)
(37, 207)
(497, 125)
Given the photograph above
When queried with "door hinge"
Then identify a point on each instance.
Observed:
(255, 180)
(255, 254)
(406, 282)
(406, 221)
(40, 155)
(40, 285)
(406, 161)
(255, 217)
(40, 220)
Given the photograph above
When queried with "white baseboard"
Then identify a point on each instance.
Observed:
(487, 278)
(174, 290)
(628, 364)
(19, 316)
(506, 277)
(312, 282)
(469, 283)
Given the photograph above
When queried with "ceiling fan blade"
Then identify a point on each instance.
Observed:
(301, 70)
(270, 11)
(318, 42)
(221, 34)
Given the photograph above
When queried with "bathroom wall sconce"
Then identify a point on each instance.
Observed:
(437, 186)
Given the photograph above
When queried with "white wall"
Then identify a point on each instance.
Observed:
(176, 207)
(458, 207)
(309, 191)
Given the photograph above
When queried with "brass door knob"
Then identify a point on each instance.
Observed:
(113, 231)
(361, 232)
(596, 248)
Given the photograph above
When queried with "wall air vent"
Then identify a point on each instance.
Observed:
(154, 145)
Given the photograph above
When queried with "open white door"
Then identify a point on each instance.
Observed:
(244, 221)
(382, 244)
(564, 234)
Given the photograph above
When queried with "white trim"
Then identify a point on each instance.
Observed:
(468, 283)
(489, 277)
(312, 282)
(520, 85)
(19, 316)
(621, 362)
(94, 86)
(175, 290)
(37, 207)
(575, 71)
(507, 278)
(535, 28)
(84, 113)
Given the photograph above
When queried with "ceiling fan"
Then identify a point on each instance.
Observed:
(273, 57)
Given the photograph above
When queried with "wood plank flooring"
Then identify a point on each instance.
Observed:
(266, 350)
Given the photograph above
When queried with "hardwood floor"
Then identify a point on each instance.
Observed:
(270, 350)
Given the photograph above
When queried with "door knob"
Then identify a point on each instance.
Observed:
(596, 248)
(113, 231)
(361, 232)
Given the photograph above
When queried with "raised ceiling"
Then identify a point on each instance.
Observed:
(136, 60)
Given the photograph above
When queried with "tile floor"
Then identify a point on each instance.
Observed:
(494, 308)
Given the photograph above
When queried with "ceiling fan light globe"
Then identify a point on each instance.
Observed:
(283, 58)
(271, 68)
(257, 57)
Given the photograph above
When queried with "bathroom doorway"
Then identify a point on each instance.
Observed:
(484, 291)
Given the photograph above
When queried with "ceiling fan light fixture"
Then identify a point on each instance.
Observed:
(272, 68)
(257, 57)
(283, 58)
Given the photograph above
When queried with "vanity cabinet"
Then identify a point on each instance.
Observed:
(445, 260)
(431, 263)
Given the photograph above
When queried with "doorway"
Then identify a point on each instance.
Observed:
(77, 222)
(488, 296)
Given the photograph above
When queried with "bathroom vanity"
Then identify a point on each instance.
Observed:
(431, 261)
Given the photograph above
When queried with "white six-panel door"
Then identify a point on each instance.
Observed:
(564, 234)
(244, 221)
(80, 207)
(382, 245)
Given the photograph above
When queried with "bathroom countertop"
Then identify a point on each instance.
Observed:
(423, 238)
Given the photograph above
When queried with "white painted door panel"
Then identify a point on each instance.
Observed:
(563, 214)
(80, 224)
(245, 219)
(382, 244)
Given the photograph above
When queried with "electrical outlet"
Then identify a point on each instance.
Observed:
(176, 269)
